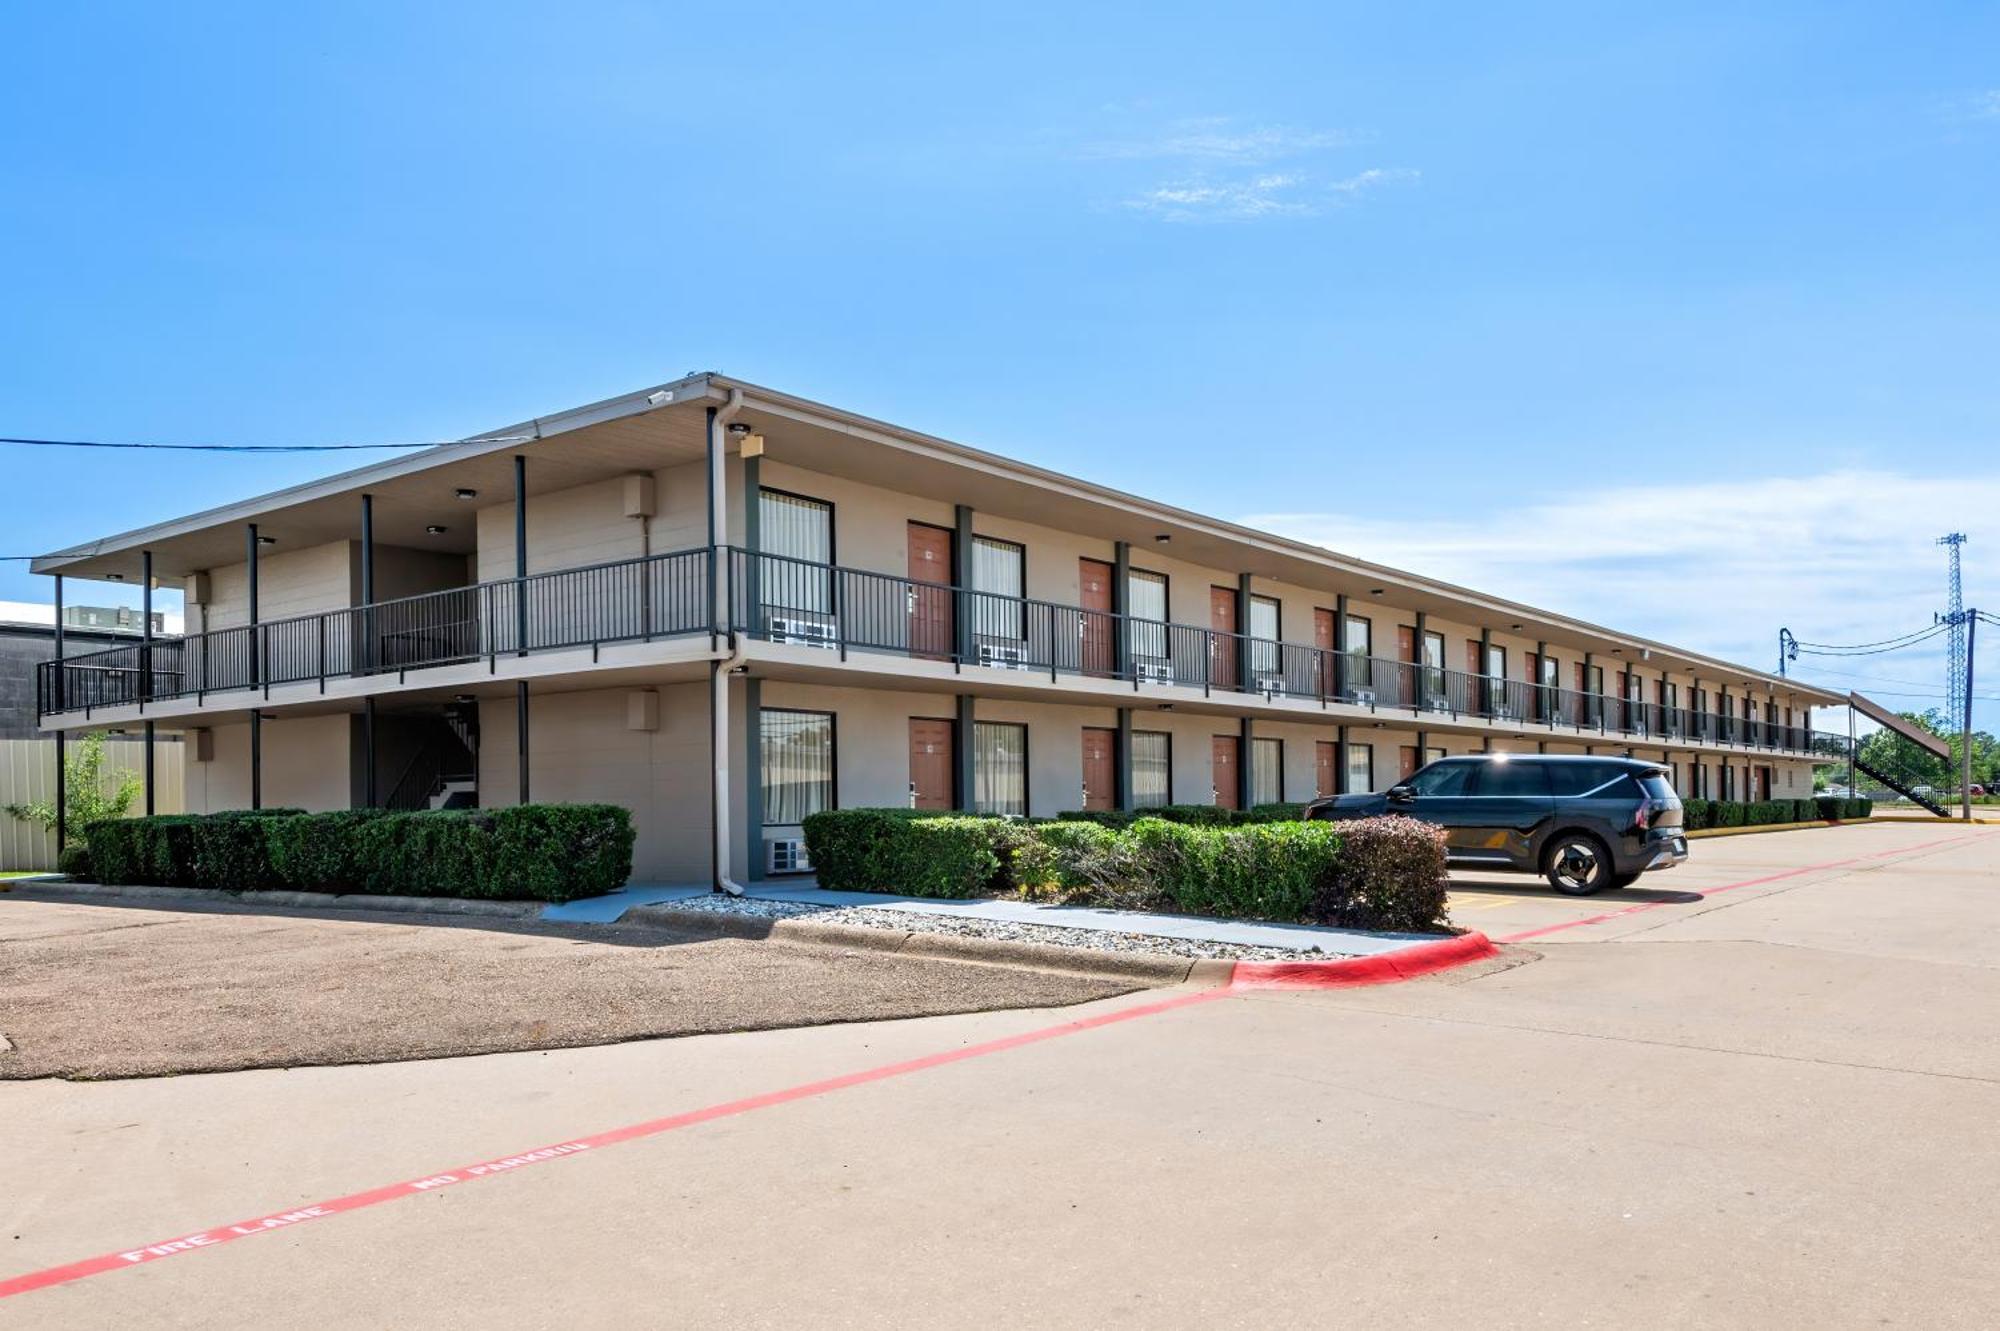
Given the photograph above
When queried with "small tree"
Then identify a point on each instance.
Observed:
(84, 789)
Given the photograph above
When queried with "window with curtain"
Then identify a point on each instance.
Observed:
(1000, 574)
(1000, 768)
(1146, 606)
(1360, 769)
(1434, 665)
(1263, 635)
(796, 750)
(1152, 769)
(796, 536)
(1359, 646)
(1267, 771)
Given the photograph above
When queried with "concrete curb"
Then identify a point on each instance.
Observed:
(1353, 972)
(1148, 970)
(1704, 832)
(1145, 968)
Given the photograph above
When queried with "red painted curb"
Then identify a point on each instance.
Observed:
(1352, 972)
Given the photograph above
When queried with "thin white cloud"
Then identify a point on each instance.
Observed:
(1221, 139)
(1717, 566)
(1985, 105)
(1373, 178)
(1233, 201)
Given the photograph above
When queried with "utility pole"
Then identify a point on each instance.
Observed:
(1971, 627)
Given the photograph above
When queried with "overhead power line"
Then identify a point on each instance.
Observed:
(259, 448)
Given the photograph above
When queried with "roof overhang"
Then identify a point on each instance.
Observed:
(660, 425)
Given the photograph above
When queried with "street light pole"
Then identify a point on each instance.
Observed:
(1965, 731)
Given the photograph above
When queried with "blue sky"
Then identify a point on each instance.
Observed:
(1681, 319)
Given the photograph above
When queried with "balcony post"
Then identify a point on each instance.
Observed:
(1340, 761)
(1423, 689)
(146, 666)
(963, 779)
(1544, 699)
(1121, 646)
(1245, 676)
(521, 733)
(1486, 673)
(521, 554)
(961, 581)
(250, 562)
(256, 675)
(753, 776)
(1340, 648)
(367, 586)
(1124, 760)
(56, 693)
(1246, 745)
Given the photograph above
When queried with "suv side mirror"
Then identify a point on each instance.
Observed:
(1402, 794)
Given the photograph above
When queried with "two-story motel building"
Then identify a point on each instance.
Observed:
(724, 607)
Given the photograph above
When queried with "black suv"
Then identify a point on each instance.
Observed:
(1587, 823)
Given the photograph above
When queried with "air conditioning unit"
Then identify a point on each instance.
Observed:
(1270, 685)
(787, 855)
(1366, 697)
(1503, 711)
(1154, 672)
(1003, 657)
(805, 632)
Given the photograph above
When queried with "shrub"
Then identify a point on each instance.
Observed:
(903, 850)
(555, 852)
(1730, 813)
(551, 852)
(1068, 861)
(1390, 874)
(1697, 814)
(74, 861)
(320, 853)
(1858, 807)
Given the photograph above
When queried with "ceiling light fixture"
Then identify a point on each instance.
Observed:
(267, 540)
(465, 492)
(1375, 591)
(737, 429)
(1163, 538)
(434, 530)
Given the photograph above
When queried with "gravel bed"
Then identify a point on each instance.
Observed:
(1101, 940)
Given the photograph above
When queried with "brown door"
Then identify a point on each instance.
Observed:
(1100, 768)
(1406, 651)
(1408, 758)
(930, 592)
(1763, 783)
(930, 763)
(1326, 768)
(1093, 581)
(1222, 646)
(1223, 764)
(1537, 707)
(1475, 668)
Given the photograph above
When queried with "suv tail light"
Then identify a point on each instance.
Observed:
(1642, 816)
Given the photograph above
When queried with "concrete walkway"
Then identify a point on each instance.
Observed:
(609, 908)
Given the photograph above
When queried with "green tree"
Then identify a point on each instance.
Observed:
(85, 789)
(1887, 751)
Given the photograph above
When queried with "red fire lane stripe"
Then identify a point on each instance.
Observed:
(209, 1238)
(1644, 906)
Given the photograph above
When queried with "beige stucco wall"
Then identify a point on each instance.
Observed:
(289, 582)
(582, 751)
(307, 764)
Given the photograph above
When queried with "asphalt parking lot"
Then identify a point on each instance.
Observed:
(98, 991)
(1767, 1105)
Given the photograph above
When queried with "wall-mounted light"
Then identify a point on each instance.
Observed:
(435, 530)
(466, 492)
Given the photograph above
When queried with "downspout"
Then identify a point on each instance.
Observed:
(718, 714)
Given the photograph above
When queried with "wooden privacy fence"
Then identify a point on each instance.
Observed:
(28, 775)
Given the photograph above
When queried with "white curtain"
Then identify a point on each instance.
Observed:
(1000, 768)
(797, 750)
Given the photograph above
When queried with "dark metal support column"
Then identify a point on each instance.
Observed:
(1246, 786)
(961, 756)
(1585, 699)
(961, 581)
(1485, 672)
(1121, 584)
(56, 700)
(1544, 696)
(369, 796)
(753, 768)
(1340, 647)
(146, 668)
(1124, 760)
(1340, 761)
(256, 676)
(521, 560)
(1423, 676)
(521, 732)
(368, 652)
(1245, 680)
(753, 541)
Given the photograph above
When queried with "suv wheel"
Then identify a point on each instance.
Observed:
(1578, 864)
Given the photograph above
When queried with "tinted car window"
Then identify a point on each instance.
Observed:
(1657, 786)
(1582, 778)
(1444, 779)
(1514, 779)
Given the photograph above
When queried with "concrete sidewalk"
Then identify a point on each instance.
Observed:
(609, 908)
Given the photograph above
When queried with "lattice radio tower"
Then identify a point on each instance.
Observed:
(1954, 671)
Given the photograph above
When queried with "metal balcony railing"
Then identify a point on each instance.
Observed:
(800, 603)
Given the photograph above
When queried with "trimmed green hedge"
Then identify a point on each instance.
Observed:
(546, 852)
(1699, 814)
(1197, 815)
(1278, 869)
